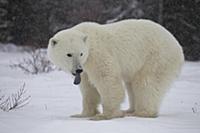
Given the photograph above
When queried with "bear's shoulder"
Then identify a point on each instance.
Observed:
(86, 25)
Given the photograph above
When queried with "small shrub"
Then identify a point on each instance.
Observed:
(14, 101)
(36, 62)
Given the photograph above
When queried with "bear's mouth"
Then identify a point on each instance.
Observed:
(77, 79)
(77, 75)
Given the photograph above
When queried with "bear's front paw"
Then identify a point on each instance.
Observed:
(80, 116)
(129, 112)
(86, 114)
(100, 117)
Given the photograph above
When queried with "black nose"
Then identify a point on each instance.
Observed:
(79, 71)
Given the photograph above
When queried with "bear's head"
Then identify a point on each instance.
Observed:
(68, 50)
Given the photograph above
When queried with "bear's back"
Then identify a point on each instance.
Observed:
(127, 39)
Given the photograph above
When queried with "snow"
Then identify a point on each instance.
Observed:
(54, 98)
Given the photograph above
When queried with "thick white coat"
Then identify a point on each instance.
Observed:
(140, 54)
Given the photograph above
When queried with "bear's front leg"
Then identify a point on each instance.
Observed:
(104, 74)
(91, 98)
(112, 94)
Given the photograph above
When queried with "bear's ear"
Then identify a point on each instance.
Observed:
(53, 42)
(85, 38)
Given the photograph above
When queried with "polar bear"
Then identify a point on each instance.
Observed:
(139, 55)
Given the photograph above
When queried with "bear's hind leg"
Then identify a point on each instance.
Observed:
(90, 97)
(147, 100)
(149, 89)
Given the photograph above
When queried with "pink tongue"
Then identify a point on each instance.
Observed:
(77, 79)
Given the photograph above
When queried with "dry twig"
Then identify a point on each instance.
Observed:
(15, 101)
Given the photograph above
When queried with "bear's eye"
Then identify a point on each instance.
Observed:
(81, 54)
(69, 55)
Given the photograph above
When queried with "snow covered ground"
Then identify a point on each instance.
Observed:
(54, 98)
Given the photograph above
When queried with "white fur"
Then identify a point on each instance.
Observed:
(139, 53)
